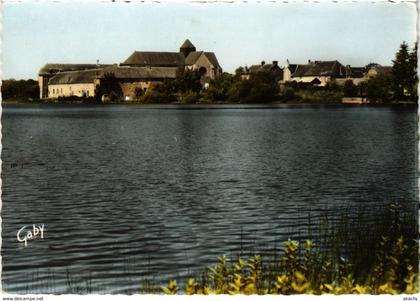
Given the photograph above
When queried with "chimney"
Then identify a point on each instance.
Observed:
(262, 63)
(275, 63)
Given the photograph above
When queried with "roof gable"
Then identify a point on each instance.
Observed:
(193, 57)
(212, 58)
(320, 68)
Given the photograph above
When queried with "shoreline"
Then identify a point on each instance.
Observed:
(214, 105)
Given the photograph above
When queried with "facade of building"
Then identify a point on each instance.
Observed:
(50, 70)
(379, 70)
(137, 72)
(320, 73)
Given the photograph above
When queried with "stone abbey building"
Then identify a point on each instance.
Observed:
(138, 71)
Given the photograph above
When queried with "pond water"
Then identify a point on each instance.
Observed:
(128, 193)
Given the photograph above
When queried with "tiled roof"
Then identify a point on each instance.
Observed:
(88, 76)
(54, 68)
(193, 57)
(261, 68)
(73, 77)
(156, 59)
(320, 68)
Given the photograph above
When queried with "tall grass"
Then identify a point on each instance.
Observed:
(346, 256)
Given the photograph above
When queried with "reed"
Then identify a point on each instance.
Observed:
(345, 257)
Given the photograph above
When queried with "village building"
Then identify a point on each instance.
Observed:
(131, 80)
(49, 70)
(320, 73)
(138, 72)
(273, 69)
(288, 70)
(379, 70)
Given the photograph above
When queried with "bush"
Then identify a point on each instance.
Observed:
(260, 87)
(109, 85)
(156, 94)
(378, 89)
(188, 97)
(218, 89)
(349, 88)
(289, 94)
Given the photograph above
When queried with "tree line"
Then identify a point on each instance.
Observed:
(399, 85)
(12, 89)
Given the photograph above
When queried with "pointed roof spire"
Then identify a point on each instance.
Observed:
(187, 44)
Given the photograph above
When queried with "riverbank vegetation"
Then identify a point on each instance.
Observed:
(348, 259)
(20, 90)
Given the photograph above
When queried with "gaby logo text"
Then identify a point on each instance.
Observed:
(24, 234)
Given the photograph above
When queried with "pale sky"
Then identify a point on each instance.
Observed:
(240, 34)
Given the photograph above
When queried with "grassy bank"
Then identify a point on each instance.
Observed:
(349, 258)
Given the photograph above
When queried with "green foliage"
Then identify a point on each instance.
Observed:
(218, 89)
(404, 73)
(288, 94)
(19, 89)
(187, 80)
(138, 92)
(348, 267)
(349, 88)
(158, 94)
(110, 87)
(309, 273)
(319, 95)
(187, 97)
(260, 87)
(171, 289)
(377, 89)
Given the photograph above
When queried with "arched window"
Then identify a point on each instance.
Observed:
(202, 71)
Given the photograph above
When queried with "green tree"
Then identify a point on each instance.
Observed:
(109, 85)
(377, 89)
(187, 80)
(413, 78)
(239, 71)
(260, 87)
(403, 72)
(218, 89)
(349, 88)
(20, 89)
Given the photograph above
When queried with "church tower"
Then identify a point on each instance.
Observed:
(187, 47)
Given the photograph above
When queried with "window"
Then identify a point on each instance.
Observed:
(61, 90)
(87, 93)
(53, 91)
